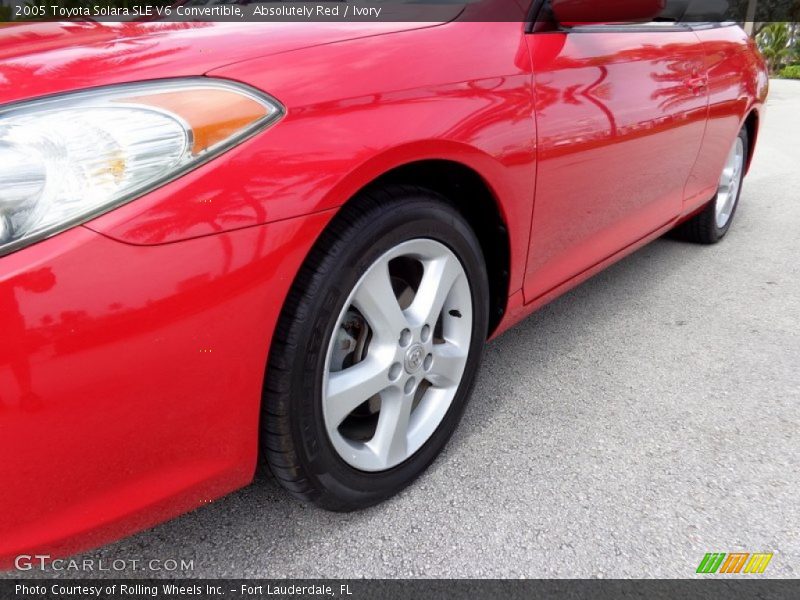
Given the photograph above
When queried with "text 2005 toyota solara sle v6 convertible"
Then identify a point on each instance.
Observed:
(225, 241)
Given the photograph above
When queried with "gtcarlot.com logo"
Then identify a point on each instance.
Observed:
(42, 562)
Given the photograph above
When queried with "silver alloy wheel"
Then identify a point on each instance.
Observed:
(397, 355)
(729, 183)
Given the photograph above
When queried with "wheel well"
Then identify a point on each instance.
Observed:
(470, 194)
(752, 133)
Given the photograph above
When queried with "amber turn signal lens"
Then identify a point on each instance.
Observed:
(213, 116)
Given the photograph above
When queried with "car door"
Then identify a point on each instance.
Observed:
(621, 112)
(736, 77)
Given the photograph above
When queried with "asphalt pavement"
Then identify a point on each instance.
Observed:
(646, 418)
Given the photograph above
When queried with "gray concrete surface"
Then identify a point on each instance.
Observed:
(646, 418)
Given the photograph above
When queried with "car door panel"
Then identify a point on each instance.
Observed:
(735, 77)
(621, 115)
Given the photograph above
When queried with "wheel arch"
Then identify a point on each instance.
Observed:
(472, 196)
(752, 122)
(460, 174)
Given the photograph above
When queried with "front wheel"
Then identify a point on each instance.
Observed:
(376, 350)
(711, 225)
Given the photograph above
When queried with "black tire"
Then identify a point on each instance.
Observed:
(703, 228)
(293, 436)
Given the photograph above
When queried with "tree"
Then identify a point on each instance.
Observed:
(774, 41)
(757, 15)
(794, 41)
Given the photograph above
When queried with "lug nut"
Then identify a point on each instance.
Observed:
(426, 333)
(395, 370)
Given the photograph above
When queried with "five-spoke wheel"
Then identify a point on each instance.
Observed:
(376, 349)
(711, 224)
(729, 183)
(397, 354)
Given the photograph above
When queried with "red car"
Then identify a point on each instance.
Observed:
(221, 241)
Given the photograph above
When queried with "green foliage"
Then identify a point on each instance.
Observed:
(773, 41)
(780, 45)
(791, 72)
(795, 28)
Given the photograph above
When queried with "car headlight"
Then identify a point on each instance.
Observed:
(67, 159)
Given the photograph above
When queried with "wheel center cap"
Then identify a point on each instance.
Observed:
(414, 357)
